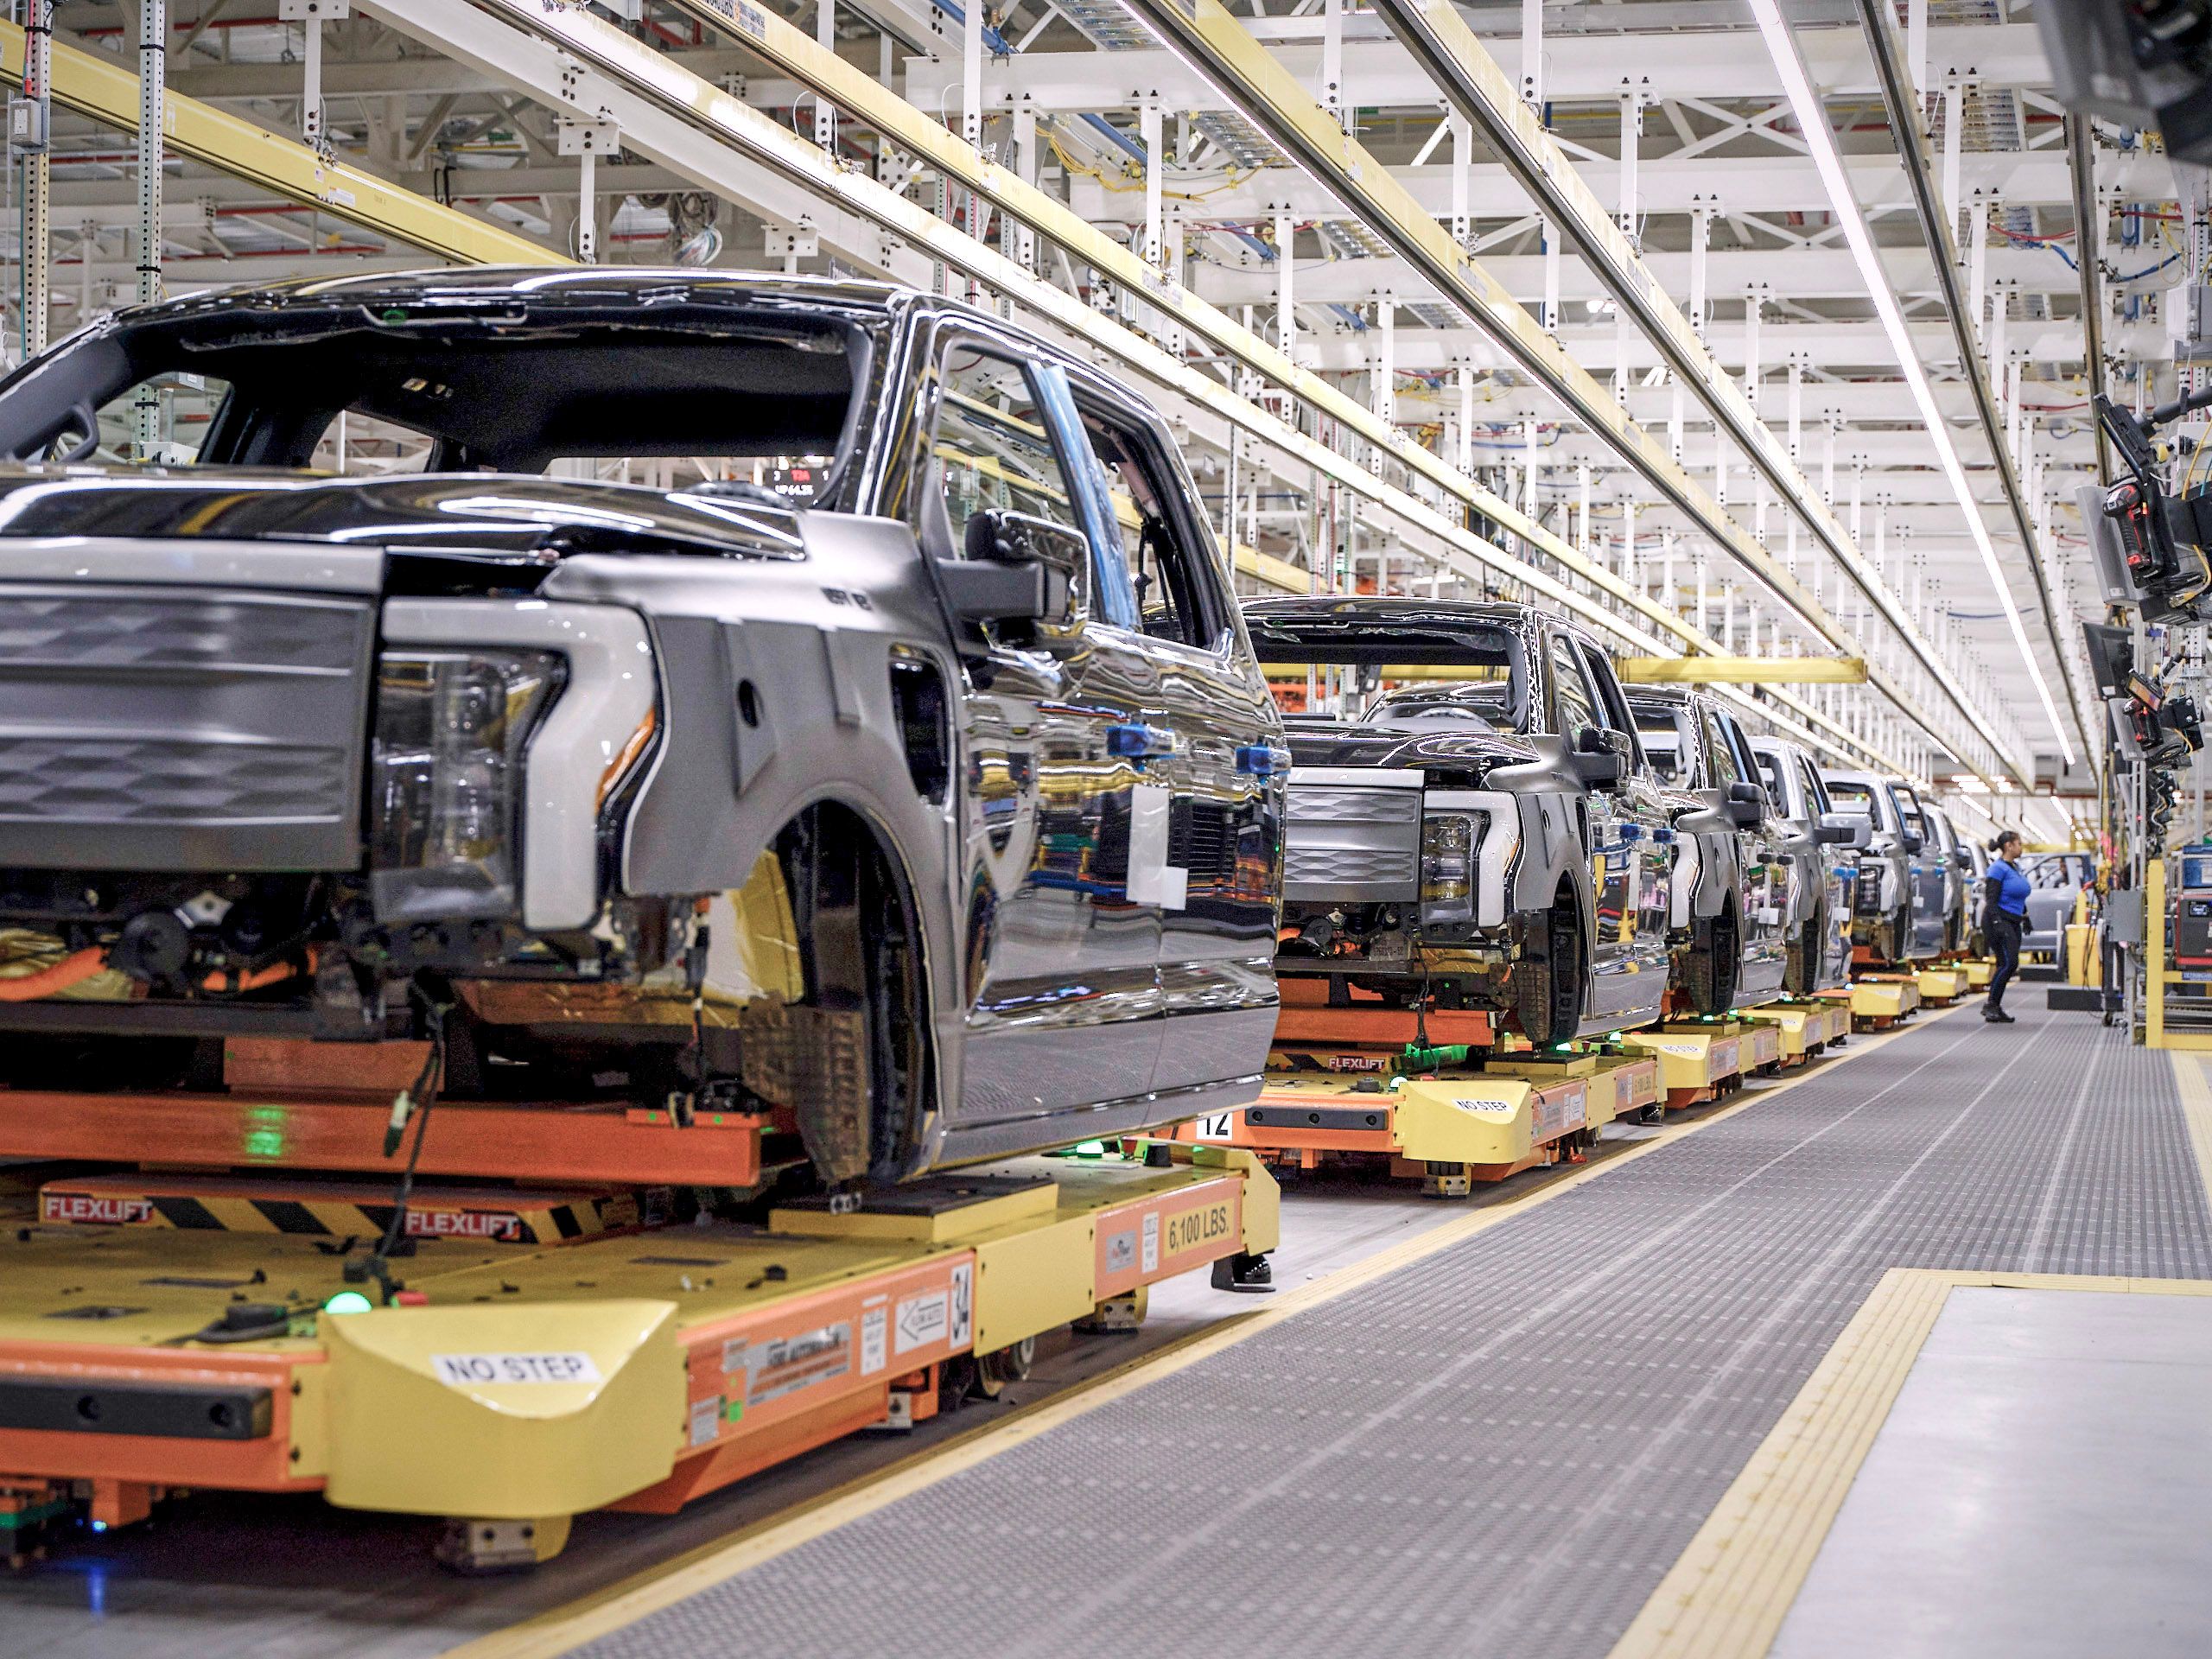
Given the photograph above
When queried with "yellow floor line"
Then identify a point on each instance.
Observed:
(1727, 1596)
(565, 1628)
(2196, 1109)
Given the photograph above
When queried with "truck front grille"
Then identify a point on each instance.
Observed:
(180, 729)
(1353, 842)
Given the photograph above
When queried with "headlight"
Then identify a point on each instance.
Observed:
(1447, 856)
(446, 779)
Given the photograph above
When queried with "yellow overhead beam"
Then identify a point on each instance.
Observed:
(108, 93)
(1743, 670)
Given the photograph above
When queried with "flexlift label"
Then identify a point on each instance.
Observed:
(94, 1209)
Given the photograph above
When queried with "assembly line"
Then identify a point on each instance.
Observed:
(1104, 827)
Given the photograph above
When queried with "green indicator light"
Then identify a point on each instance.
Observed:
(1091, 1149)
(264, 1143)
(348, 1301)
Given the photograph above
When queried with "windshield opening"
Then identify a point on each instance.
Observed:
(1344, 666)
(766, 404)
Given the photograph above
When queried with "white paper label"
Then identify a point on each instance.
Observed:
(876, 1330)
(706, 1419)
(1152, 1242)
(474, 1370)
(921, 1320)
(964, 1305)
(1215, 1126)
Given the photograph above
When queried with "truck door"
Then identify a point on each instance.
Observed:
(1614, 841)
(1761, 893)
(1930, 867)
(1062, 983)
(1220, 777)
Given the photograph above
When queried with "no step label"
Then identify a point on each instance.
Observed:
(475, 1370)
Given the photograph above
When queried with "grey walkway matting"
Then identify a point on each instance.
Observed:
(2037, 1491)
(1502, 1448)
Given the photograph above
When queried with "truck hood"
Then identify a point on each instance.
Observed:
(1335, 744)
(498, 517)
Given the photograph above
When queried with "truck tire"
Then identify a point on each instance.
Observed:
(1714, 963)
(1547, 984)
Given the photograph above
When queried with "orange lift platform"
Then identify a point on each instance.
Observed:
(546, 1337)
(1428, 1095)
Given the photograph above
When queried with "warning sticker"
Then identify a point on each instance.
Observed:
(706, 1419)
(1498, 1109)
(782, 1365)
(963, 1304)
(471, 1371)
(1561, 1110)
(1152, 1242)
(875, 1328)
(921, 1320)
(1122, 1250)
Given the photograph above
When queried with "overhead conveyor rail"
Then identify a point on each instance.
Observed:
(1477, 89)
(108, 93)
(634, 78)
(1259, 87)
(1499, 1437)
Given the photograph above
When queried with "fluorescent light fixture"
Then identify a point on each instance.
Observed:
(1813, 122)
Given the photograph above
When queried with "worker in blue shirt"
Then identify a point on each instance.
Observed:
(2003, 914)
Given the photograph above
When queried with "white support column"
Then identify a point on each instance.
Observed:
(1719, 466)
(971, 75)
(587, 209)
(1631, 203)
(1463, 164)
(1796, 405)
(1551, 277)
(153, 80)
(36, 262)
(1332, 63)
(1385, 400)
(1954, 104)
(1827, 466)
(1530, 503)
(1630, 570)
(825, 37)
(1754, 301)
(1025, 162)
(1582, 506)
(1674, 419)
(1155, 167)
(1532, 55)
(1285, 306)
(1465, 375)
(1978, 265)
(1916, 45)
(1701, 239)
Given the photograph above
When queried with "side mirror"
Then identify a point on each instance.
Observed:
(1746, 805)
(1018, 569)
(1843, 829)
(1597, 761)
(1909, 841)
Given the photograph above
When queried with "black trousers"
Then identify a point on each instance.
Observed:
(2002, 932)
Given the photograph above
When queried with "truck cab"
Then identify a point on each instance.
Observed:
(1883, 909)
(1471, 816)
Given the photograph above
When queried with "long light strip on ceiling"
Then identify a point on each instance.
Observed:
(1813, 123)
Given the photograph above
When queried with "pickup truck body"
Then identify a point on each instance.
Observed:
(1894, 886)
(1823, 846)
(1493, 811)
(1746, 902)
(949, 752)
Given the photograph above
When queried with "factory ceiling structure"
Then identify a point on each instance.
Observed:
(1741, 330)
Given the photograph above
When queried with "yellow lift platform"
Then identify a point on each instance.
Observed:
(1803, 1031)
(1941, 987)
(544, 1353)
(1878, 1001)
(1446, 1117)
(1707, 1059)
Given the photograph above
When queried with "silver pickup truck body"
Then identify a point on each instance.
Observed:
(1823, 846)
(1485, 831)
(944, 787)
(1893, 875)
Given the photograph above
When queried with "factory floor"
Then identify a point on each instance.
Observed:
(1900, 1354)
